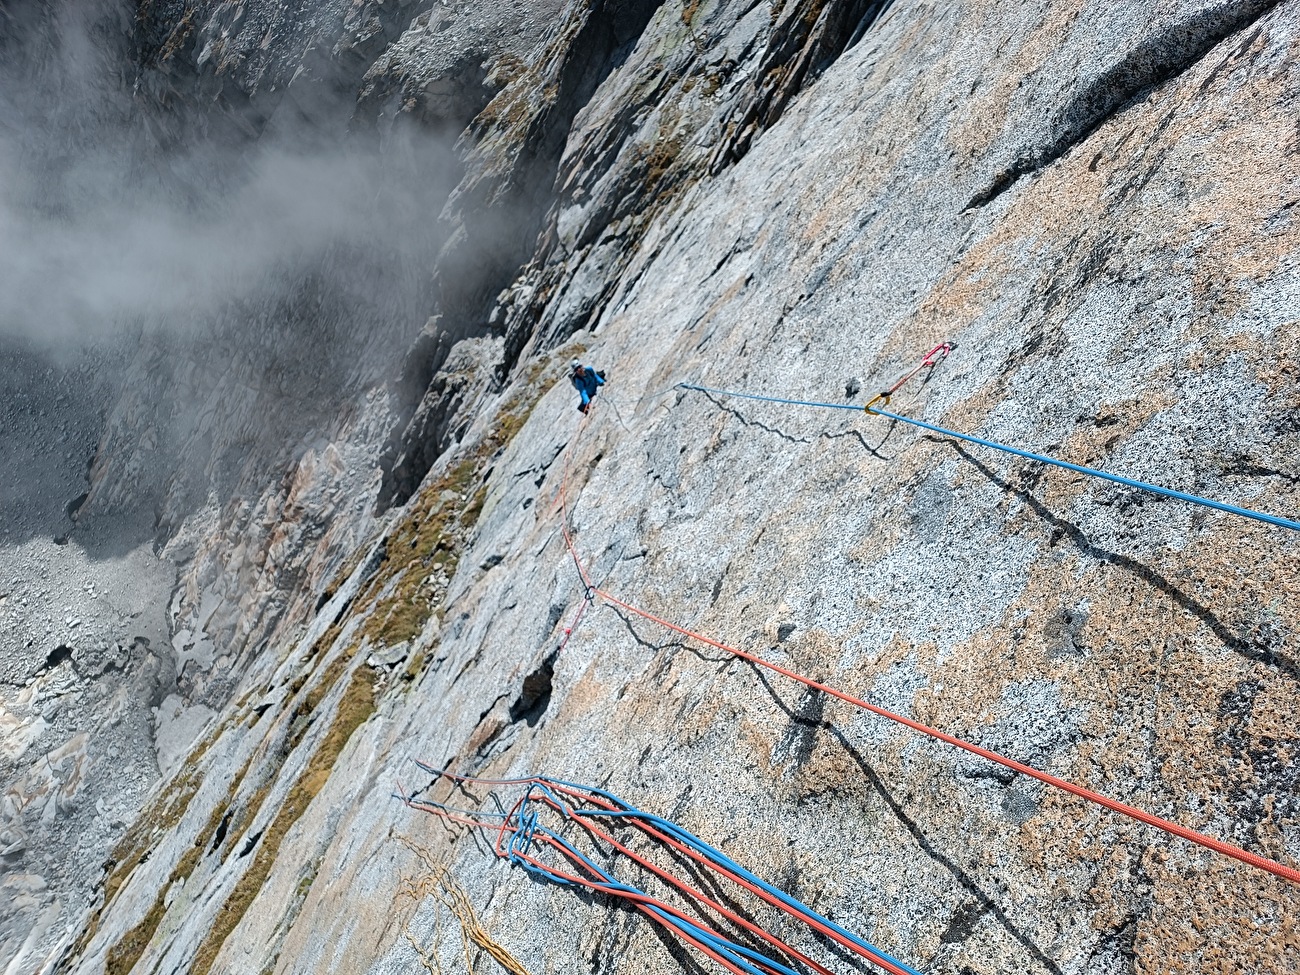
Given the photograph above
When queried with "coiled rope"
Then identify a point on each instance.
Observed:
(438, 882)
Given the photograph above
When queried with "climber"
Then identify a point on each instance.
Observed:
(585, 380)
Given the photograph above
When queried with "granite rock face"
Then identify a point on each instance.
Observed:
(1095, 202)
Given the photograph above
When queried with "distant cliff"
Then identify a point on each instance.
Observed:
(343, 485)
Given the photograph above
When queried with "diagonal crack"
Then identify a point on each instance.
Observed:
(1062, 527)
(754, 423)
(1150, 64)
(985, 903)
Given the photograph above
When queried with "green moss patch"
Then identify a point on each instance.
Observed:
(425, 548)
(123, 956)
(357, 704)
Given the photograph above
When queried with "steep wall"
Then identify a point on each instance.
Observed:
(213, 270)
(1096, 203)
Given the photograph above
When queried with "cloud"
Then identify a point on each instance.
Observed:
(105, 226)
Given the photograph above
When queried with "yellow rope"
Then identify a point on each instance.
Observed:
(438, 882)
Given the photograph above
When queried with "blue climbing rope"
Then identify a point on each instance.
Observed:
(523, 839)
(1028, 454)
(717, 856)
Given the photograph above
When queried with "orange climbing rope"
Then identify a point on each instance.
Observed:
(1168, 826)
(522, 837)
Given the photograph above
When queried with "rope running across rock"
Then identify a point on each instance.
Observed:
(1167, 826)
(931, 359)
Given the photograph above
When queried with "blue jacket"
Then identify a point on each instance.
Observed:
(585, 383)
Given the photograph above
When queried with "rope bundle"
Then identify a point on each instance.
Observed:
(544, 833)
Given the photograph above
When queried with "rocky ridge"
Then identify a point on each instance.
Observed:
(1096, 200)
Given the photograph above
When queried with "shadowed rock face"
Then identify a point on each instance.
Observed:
(1095, 202)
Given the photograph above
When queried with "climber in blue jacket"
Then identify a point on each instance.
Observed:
(585, 380)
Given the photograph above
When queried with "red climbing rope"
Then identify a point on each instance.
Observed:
(669, 878)
(588, 879)
(577, 618)
(589, 593)
(522, 837)
(1168, 826)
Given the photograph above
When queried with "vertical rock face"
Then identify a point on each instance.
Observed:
(319, 534)
(215, 272)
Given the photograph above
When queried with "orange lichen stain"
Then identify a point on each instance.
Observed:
(1207, 170)
(1092, 444)
(1222, 917)
(1150, 677)
(1242, 182)
(1278, 370)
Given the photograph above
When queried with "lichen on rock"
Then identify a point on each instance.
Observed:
(1094, 202)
